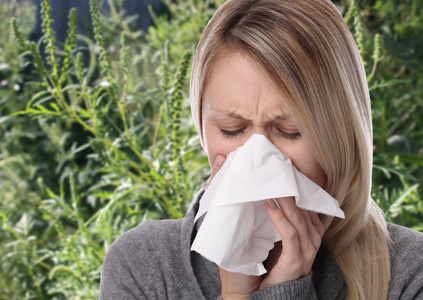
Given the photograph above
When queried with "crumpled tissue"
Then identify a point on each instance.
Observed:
(237, 233)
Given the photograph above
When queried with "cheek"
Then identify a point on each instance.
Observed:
(216, 144)
(305, 162)
(315, 173)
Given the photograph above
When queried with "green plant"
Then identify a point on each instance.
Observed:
(398, 146)
(108, 174)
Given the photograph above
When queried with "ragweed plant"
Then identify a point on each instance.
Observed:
(114, 148)
(175, 103)
(377, 56)
(70, 45)
(353, 16)
(99, 38)
(49, 37)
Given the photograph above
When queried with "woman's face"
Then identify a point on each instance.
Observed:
(239, 101)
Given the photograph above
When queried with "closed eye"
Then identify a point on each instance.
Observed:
(232, 134)
(289, 136)
(280, 133)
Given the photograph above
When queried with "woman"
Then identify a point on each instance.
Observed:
(290, 70)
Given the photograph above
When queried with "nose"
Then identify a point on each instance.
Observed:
(263, 130)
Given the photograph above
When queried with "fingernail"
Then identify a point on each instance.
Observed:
(219, 161)
(271, 203)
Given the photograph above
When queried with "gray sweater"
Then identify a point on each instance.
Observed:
(154, 261)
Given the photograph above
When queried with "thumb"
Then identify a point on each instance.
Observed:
(218, 163)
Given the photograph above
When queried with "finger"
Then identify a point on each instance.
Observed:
(313, 231)
(290, 240)
(315, 220)
(310, 228)
(218, 163)
(296, 218)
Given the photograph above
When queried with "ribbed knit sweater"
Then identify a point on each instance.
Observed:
(154, 261)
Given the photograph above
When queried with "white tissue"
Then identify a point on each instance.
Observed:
(237, 233)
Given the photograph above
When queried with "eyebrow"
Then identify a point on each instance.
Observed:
(239, 117)
(233, 115)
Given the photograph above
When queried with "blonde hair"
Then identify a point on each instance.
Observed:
(308, 52)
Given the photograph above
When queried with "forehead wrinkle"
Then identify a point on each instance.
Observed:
(268, 109)
(230, 113)
(251, 96)
(284, 116)
(221, 114)
(233, 115)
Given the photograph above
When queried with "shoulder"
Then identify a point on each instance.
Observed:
(406, 262)
(164, 235)
(137, 263)
(147, 246)
(404, 241)
(148, 236)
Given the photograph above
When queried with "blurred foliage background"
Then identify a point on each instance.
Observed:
(99, 138)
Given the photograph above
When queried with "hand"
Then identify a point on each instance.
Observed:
(301, 233)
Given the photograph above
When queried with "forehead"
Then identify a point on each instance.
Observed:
(238, 87)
